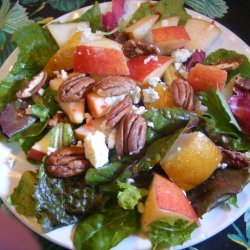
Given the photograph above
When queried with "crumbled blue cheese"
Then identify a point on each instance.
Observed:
(150, 95)
(112, 100)
(41, 92)
(138, 110)
(150, 124)
(136, 95)
(180, 56)
(28, 110)
(222, 165)
(62, 74)
(88, 36)
(96, 150)
(153, 81)
(51, 150)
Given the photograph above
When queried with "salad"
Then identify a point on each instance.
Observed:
(133, 128)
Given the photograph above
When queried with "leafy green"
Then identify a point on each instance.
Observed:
(66, 5)
(222, 185)
(22, 196)
(108, 172)
(129, 195)
(93, 16)
(6, 46)
(223, 55)
(155, 152)
(36, 47)
(103, 231)
(221, 122)
(169, 232)
(211, 8)
(62, 135)
(232, 201)
(61, 202)
(164, 8)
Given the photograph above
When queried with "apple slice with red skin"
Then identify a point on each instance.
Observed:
(40, 148)
(166, 200)
(100, 61)
(202, 77)
(144, 67)
(170, 38)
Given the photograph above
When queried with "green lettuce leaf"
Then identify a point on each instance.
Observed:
(93, 16)
(170, 232)
(103, 231)
(129, 195)
(222, 126)
(61, 202)
(22, 196)
(232, 202)
(164, 8)
(223, 55)
(36, 47)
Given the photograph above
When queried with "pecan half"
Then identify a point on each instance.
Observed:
(58, 118)
(234, 159)
(74, 88)
(243, 83)
(114, 86)
(33, 86)
(182, 94)
(66, 162)
(117, 111)
(230, 64)
(131, 135)
(132, 48)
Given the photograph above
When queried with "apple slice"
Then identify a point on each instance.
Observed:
(91, 127)
(144, 67)
(96, 104)
(170, 21)
(104, 43)
(40, 148)
(166, 200)
(74, 110)
(201, 32)
(139, 29)
(100, 60)
(170, 38)
(62, 32)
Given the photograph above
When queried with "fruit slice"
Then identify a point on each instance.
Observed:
(63, 58)
(202, 77)
(62, 32)
(144, 67)
(170, 38)
(191, 160)
(100, 61)
(40, 149)
(170, 21)
(201, 32)
(166, 200)
(96, 104)
(139, 29)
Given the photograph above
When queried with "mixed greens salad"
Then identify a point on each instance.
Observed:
(132, 127)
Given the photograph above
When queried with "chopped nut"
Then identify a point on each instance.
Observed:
(182, 93)
(230, 65)
(131, 135)
(234, 159)
(243, 83)
(33, 86)
(118, 111)
(132, 48)
(114, 86)
(58, 118)
(74, 88)
(66, 162)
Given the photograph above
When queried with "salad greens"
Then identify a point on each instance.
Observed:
(105, 230)
(170, 232)
(36, 47)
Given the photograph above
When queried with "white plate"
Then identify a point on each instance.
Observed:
(212, 222)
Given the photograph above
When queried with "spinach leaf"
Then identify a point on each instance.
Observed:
(223, 55)
(221, 123)
(169, 232)
(93, 16)
(108, 172)
(22, 196)
(221, 186)
(103, 231)
(155, 152)
(61, 202)
(36, 47)
(129, 195)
